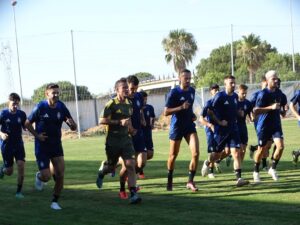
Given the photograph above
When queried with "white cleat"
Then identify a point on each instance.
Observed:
(241, 182)
(38, 183)
(273, 173)
(55, 206)
(256, 178)
(204, 170)
(211, 176)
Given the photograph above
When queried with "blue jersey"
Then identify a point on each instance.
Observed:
(183, 118)
(271, 119)
(254, 98)
(225, 108)
(49, 120)
(137, 105)
(246, 107)
(148, 111)
(296, 100)
(12, 123)
(204, 113)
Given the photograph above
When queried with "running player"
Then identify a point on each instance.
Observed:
(244, 110)
(294, 101)
(117, 117)
(149, 116)
(267, 108)
(48, 117)
(225, 111)
(179, 104)
(12, 120)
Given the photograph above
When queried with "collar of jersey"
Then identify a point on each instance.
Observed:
(118, 102)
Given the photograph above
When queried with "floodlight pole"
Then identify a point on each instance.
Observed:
(75, 87)
(292, 36)
(14, 3)
(231, 50)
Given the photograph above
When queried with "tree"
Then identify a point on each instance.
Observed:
(253, 52)
(67, 92)
(180, 47)
(142, 76)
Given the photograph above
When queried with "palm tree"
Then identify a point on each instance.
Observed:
(253, 52)
(180, 47)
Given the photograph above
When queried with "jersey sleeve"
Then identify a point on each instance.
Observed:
(152, 113)
(170, 101)
(205, 109)
(261, 100)
(23, 118)
(66, 112)
(1, 118)
(296, 98)
(283, 100)
(107, 111)
(34, 115)
(217, 103)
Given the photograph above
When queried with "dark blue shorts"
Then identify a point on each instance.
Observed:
(177, 133)
(11, 152)
(265, 135)
(139, 142)
(243, 132)
(148, 139)
(45, 151)
(229, 138)
(211, 144)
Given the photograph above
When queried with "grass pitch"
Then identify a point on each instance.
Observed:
(218, 201)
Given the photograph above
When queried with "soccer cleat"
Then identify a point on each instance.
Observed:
(295, 156)
(99, 181)
(55, 206)
(38, 183)
(273, 173)
(141, 175)
(228, 160)
(1, 172)
(241, 182)
(169, 186)
(256, 178)
(192, 186)
(19, 195)
(211, 176)
(135, 199)
(123, 195)
(204, 170)
(218, 167)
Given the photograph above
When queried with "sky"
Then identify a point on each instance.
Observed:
(117, 38)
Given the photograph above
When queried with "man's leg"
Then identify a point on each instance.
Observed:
(130, 167)
(20, 179)
(237, 165)
(276, 157)
(141, 159)
(59, 170)
(173, 153)
(193, 142)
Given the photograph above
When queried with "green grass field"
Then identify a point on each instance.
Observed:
(217, 202)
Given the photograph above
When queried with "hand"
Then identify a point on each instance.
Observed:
(132, 131)
(275, 106)
(124, 122)
(42, 136)
(223, 123)
(4, 136)
(241, 113)
(212, 127)
(185, 105)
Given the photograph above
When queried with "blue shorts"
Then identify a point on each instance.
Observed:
(148, 139)
(211, 144)
(243, 132)
(263, 136)
(11, 152)
(45, 151)
(177, 133)
(224, 137)
(139, 142)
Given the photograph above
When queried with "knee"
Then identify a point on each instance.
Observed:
(195, 154)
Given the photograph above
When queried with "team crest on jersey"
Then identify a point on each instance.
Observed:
(41, 164)
(148, 113)
(192, 96)
(58, 115)
(138, 103)
(245, 107)
(235, 101)
(7, 121)
(19, 120)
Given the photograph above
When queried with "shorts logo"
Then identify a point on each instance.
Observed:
(182, 98)
(46, 116)
(119, 111)
(58, 115)
(260, 142)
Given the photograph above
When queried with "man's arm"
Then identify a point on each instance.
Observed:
(169, 111)
(29, 127)
(294, 110)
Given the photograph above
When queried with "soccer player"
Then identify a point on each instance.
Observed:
(225, 111)
(149, 116)
(48, 116)
(179, 104)
(138, 121)
(12, 120)
(244, 110)
(117, 116)
(267, 108)
(206, 120)
(294, 101)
